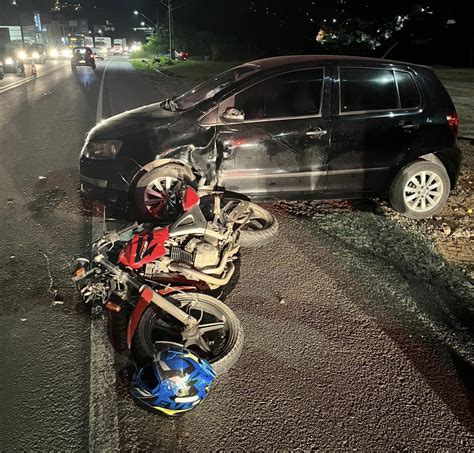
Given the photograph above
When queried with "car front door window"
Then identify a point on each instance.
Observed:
(293, 94)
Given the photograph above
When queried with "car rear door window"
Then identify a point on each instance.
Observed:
(366, 89)
(292, 94)
(409, 94)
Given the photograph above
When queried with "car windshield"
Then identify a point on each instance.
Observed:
(212, 87)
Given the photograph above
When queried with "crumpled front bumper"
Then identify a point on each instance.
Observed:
(108, 181)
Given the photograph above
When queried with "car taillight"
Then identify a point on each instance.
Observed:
(453, 121)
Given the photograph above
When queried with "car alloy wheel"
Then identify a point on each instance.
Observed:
(160, 192)
(423, 191)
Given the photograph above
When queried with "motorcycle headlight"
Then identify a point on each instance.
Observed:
(8, 61)
(35, 55)
(106, 149)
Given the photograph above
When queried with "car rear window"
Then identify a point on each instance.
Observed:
(292, 94)
(409, 94)
(365, 89)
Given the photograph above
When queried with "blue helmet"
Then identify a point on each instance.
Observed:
(176, 381)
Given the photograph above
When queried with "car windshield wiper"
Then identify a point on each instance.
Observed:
(170, 104)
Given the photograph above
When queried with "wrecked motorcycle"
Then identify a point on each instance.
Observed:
(155, 272)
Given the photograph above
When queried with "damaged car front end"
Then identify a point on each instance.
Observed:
(121, 150)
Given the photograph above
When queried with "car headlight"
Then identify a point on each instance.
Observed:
(8, 61)
(54, 53)
(105, 149)
(35, 55)
(22, 55)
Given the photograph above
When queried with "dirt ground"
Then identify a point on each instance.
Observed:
(451, 234)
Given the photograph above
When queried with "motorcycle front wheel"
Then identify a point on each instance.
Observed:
(221, 329)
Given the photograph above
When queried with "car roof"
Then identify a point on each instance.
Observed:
(290, 60)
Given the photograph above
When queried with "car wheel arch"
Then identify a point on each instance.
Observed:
(161, 163)
(432, 157)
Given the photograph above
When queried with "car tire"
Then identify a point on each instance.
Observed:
(176, 172)
(420, 189)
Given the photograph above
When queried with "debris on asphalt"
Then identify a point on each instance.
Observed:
(12, 257)
(282, 301)
(23, 319)
(42, 178)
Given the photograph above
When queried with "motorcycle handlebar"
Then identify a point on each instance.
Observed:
(122, 276)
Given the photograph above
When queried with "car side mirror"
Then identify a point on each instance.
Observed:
(233, 115)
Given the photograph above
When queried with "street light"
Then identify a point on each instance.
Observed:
(138, 13)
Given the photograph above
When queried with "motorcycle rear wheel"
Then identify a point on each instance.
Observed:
(261, 228)
(156, 326)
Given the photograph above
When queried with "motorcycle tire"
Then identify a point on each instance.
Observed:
(227, 352)
(260, 230)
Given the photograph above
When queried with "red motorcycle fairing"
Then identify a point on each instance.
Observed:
(144, 248)
(190, 199)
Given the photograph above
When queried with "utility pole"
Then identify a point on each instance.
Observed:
(170, 9)
(170, 28)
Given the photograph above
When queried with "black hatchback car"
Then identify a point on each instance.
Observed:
(83, 56)
(287, 128)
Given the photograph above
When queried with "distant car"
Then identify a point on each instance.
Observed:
(60, 53)
(117, 50)
(37, 53)
(177, 55)
(13, 60)
(83, 56)
(101, 52)
(287, 128)
(2, 73)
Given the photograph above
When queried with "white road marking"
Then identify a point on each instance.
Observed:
(21, 82)
(100, 99)
(103, 413)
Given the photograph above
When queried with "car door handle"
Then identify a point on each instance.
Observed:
(409, 126)
(316, 133)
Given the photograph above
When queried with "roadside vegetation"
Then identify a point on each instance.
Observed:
(193, 70)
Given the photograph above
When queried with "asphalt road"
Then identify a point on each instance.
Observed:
(357, 335)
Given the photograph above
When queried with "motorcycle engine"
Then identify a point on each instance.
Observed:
(197, 253)
(204, 253)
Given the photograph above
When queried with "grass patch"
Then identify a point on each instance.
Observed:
(189, 71)
(151, 64)
(199, 70)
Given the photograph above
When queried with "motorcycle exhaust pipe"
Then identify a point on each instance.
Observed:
(193, 274)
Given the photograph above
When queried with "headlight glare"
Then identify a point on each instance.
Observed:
(8, 61)
(106, 149)
(35, 55)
